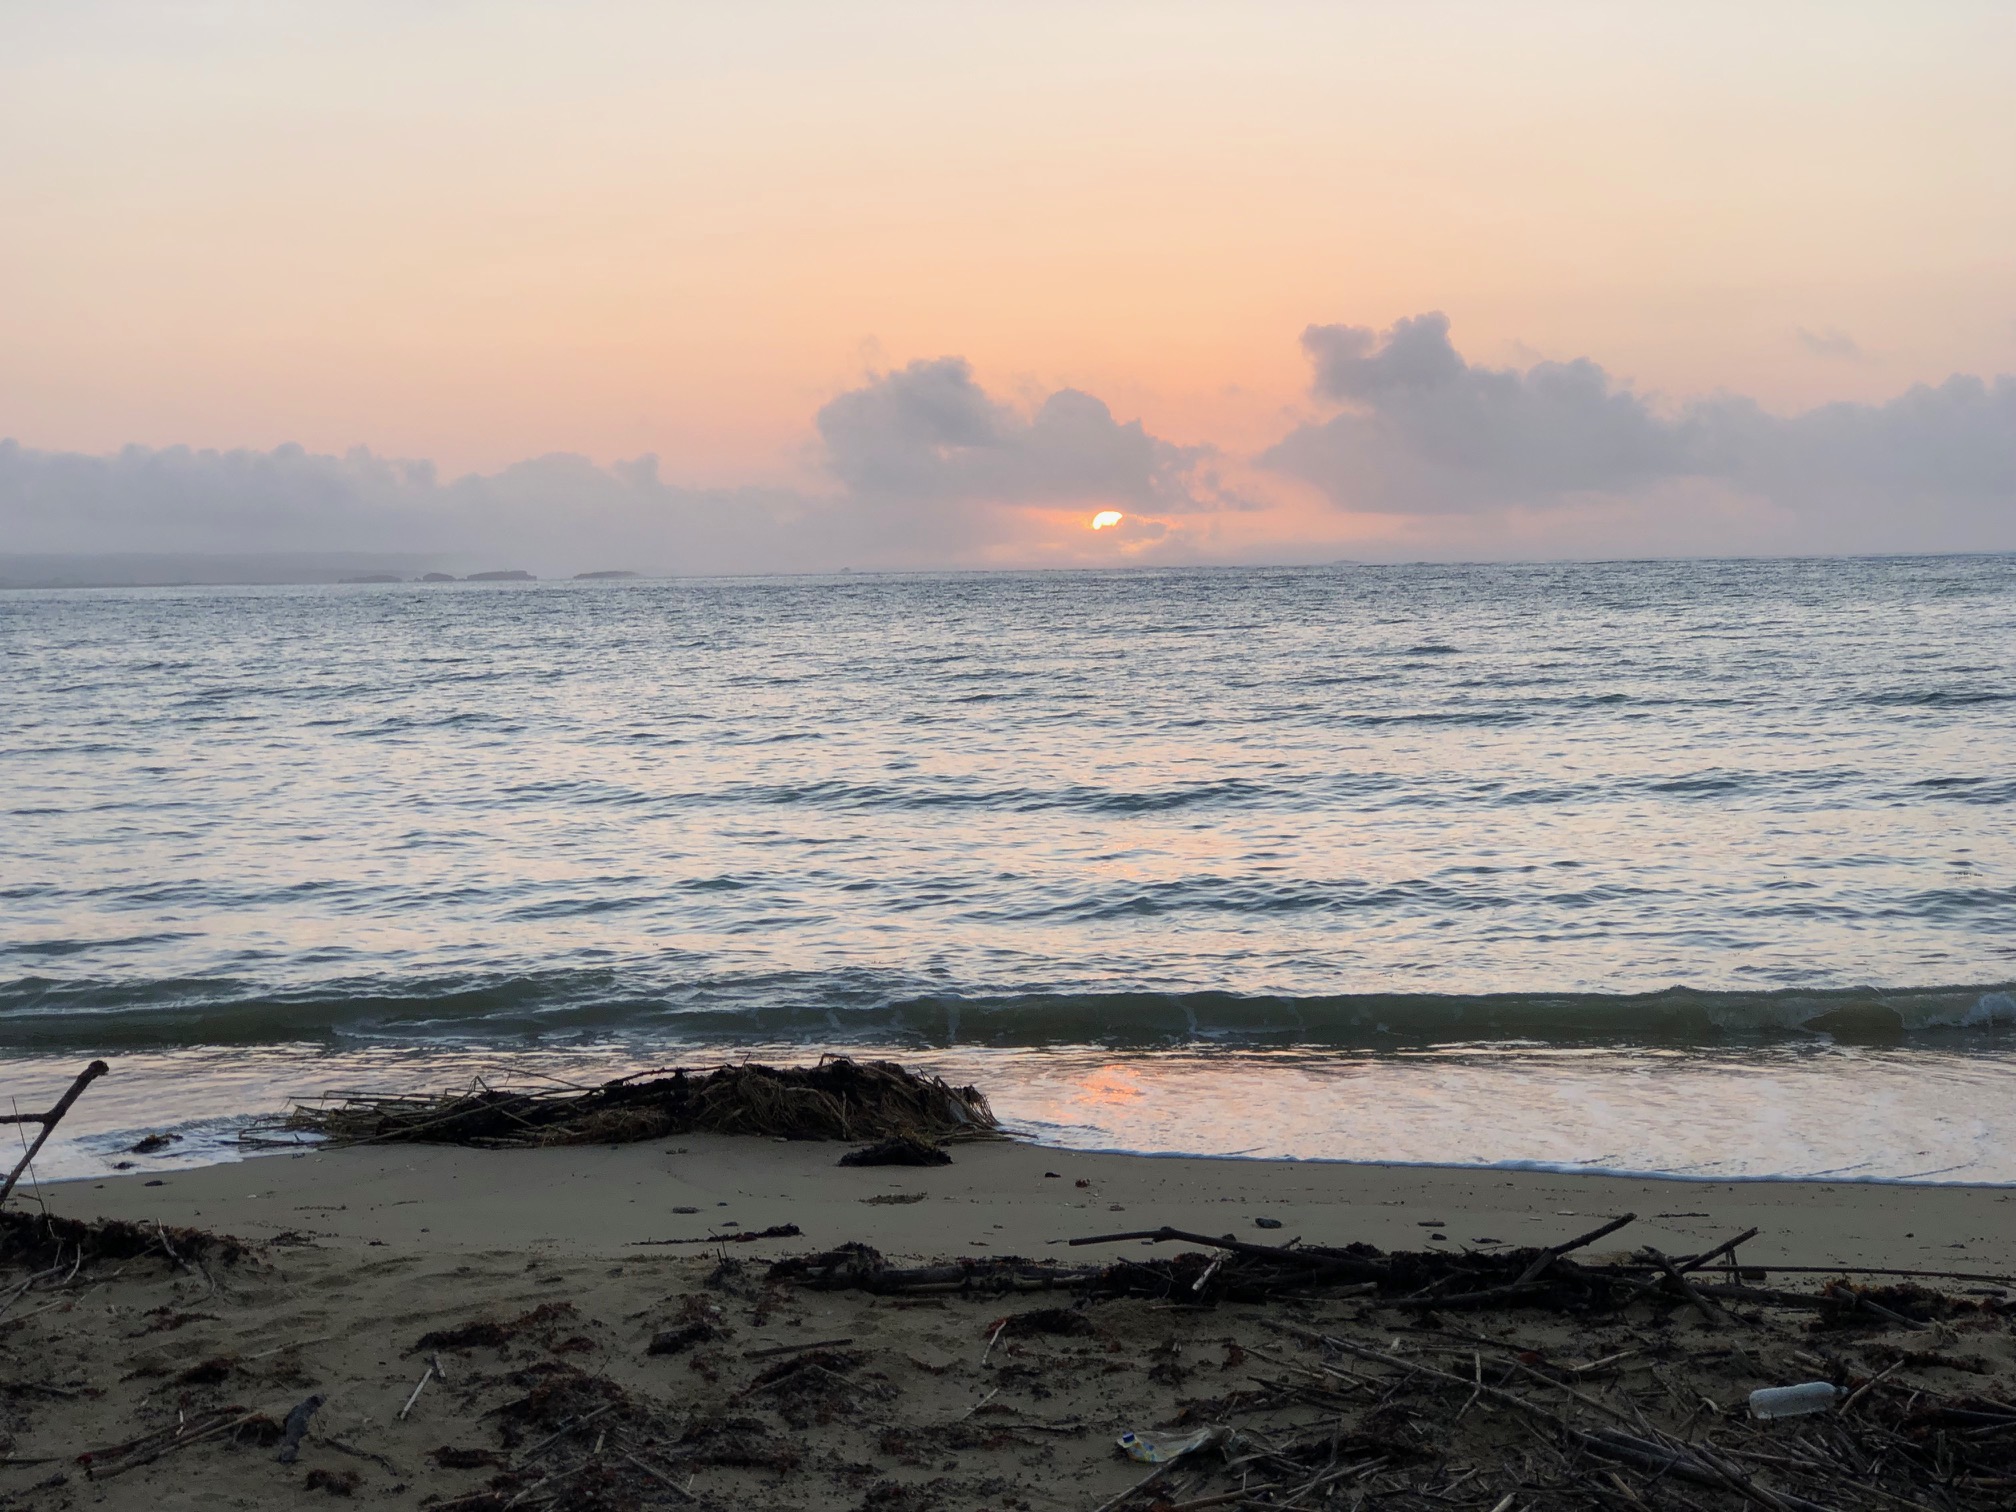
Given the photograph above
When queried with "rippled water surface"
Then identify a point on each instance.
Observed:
(1366, 809)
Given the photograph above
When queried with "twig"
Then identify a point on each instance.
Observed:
(659, 1476)
(1727, 1247)
(1141, 1485)
(419, 1386)
(783, 1349)
(978, 1405)
(1681, 1284)
(282, 1348)
(49, 1120)
(172, 1445)
(1554, 1252)
(561, 1432)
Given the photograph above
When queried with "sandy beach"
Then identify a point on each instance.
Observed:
(595, 1201)
(365, 1263)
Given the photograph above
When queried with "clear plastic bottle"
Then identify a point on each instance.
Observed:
(1793, 1401)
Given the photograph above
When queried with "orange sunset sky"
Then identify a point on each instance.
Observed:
(477, 234)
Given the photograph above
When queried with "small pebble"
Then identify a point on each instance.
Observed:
(1267, 1223)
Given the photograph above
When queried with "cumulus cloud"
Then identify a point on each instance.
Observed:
(928, 433)
(928, 469)
(1421, 431)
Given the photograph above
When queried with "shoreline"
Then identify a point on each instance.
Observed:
(595, 1199)
(1448, 1168)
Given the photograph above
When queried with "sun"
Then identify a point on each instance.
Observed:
(1107, 517)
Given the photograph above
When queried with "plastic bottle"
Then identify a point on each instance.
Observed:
(1793, 1401)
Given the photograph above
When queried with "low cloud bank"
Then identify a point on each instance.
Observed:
(928, 470)
(1423, 432)
(1425, 454)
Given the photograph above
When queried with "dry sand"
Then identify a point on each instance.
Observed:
(361, 1253)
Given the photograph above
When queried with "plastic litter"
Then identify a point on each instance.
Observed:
(1793, 1401)
(1161, 1448)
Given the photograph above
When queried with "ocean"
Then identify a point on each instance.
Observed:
(1704, 869)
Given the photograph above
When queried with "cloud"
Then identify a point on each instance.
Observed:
(1423, 432)
(1422, 453)
(1834, 345)
(929, 469)
(928, 434)
(565, 511)
(1427, 433)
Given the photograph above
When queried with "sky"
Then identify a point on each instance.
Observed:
(792, 286)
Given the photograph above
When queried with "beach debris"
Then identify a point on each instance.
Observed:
(488, 1333)
(296, 1428)
(153, 1143)
(1593, 1387)
(774, 1350)
(897, 1150)
(44, 1238)
(48, 1121)
(433, 1369)
(671, 1341)
(739, 1236)
(837, 1099)
(1053, 1322)
(1267, 1223)
(1793, 1401)
(103, 1464)
(1161, 1448)
(895, 1199)
(335, 1482)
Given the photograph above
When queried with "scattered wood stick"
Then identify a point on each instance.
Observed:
(283, 1348)
(659, 1476)
(1710, 1313)
(1554, 1252)
(418, 1386)
(163, 1445)
(561, 1432)
(1727, 1247)
(1315, 1260)
(48, 1120)
(978, 1405)
(1134, 1490)
(775, 1350)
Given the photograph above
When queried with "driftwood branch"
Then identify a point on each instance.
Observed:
(49, 1120)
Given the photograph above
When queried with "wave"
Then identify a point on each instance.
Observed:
(41, 1014)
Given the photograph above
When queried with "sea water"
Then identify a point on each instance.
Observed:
(1699, 868)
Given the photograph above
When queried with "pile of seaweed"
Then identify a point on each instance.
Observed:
(837, 1099)
(43, 1239)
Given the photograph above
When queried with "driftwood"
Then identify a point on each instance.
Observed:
(48, 1120)
(1425, 1282)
